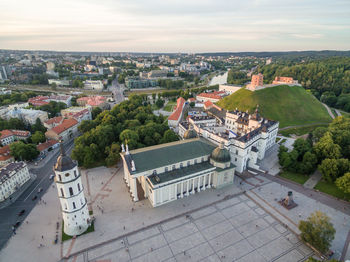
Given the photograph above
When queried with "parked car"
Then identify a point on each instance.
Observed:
(21, 212)
(40, 189)
(34, 197)
(51, 177)
(17, 224)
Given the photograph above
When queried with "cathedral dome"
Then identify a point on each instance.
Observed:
(190, 133)
(64, 162)
(220, 154)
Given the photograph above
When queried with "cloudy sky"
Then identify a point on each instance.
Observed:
(175, 25)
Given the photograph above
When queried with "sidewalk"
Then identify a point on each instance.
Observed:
(18, 193)
(313, 180)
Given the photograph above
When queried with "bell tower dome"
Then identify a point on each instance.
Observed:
(70, 189)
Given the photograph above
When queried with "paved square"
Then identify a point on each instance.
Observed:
(231, 230)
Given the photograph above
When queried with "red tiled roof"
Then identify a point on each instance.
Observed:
(178, 111)
(66, 124)
(54, 120)
(5, 133)
(208, 104)
(45, 145)
(93, 100)
(191, 99)
(5, 153)
(210, 95)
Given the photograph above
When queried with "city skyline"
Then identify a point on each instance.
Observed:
(184, 26)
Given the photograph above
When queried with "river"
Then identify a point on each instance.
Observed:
(219, 80)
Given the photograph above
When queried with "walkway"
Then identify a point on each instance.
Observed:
(313, 180)
(329, 111)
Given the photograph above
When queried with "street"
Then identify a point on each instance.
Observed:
(117, 91)
(9, 215)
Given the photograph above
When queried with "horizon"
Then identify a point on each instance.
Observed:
(180, 27)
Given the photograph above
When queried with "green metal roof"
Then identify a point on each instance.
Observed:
(171, 154)
(181, 172)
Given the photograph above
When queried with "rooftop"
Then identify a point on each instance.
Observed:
(178, 111)
(66, 124)
(9, 168)
(167, 154)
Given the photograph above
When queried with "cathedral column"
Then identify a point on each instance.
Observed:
(199, 184)
(182, 189)
(209, 181)
(134, 189)
(187, 182)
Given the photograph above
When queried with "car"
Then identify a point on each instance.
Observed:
(17, 224)
(51, 177)
(21, 212)
(40, 189)
(34, 197)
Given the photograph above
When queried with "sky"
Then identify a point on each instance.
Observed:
(175, 25)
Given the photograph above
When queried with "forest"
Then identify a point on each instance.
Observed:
(131, 122)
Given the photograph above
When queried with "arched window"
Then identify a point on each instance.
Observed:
(75, 173)
(62, 194)
(71, 191)
(65, 206)
(59, 177)
(74, 205)
(81, 201)
(78, 187)
(66, 174)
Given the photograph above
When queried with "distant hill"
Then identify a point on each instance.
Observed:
(290, 105)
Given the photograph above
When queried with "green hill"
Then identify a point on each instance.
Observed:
(290, 105)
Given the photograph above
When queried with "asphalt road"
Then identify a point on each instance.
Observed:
(117, 91)
(9, 215)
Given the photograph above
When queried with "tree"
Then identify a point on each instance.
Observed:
(169, 136)
(38, 126)
(317, 230)
(331, 169)
(22, 151)
(343, 183)
(95, 112)
(309, 163)
(326, 148)
(38, 137)
(129, 137)
(160, 103)
(318, 133)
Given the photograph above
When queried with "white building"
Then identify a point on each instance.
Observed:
(247, 137)
(12, 177)
(79, 113)
(59, 82)
(167, 172)
(27, 115)
(74, 207)
(9, 136)
(93, 84)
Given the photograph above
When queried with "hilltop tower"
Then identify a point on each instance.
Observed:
(75, 212)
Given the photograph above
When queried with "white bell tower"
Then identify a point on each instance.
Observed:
(74, 207)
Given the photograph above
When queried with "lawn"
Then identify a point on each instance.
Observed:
(299, 131)
(298, 178)
(66, 237)
(169, 106)
(332, 189)
(278, 139)
(290, 105)
(284, 140)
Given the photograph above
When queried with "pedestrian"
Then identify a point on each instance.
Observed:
(124, 227)
(42, 237)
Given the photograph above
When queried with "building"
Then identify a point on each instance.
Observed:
(213, 97)
(175, 118)
(70, 190)
(93, 85)
(4, 91)
(93, 101)
(246, 136)
(229, 89)
(167, 172)
(47, 146)
(140, 83)
(256, 83)
(44, 100)
(64, 131)
(9, 136)
(27, 115)
(12, 177)
(78, 113)
(5, 155)
(282, 80)
(52, 122)
(157, 73)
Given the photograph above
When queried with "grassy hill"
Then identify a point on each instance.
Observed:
(290, 105)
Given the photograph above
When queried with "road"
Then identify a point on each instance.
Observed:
(9, 215)
(117, 91)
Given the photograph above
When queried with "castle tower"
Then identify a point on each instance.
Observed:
(75, 212)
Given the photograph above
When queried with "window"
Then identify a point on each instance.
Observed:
(78, 187)
(67, 174)
(181, 165)
(74, 205)
(174, 167)
(202, 159)
(59, 177)
(154, 172)
(65, 206)
(81, 201)
(75, 173)
(188, 163)
(166, 169)
(62, 194)
(195, 161)
(71, 191)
